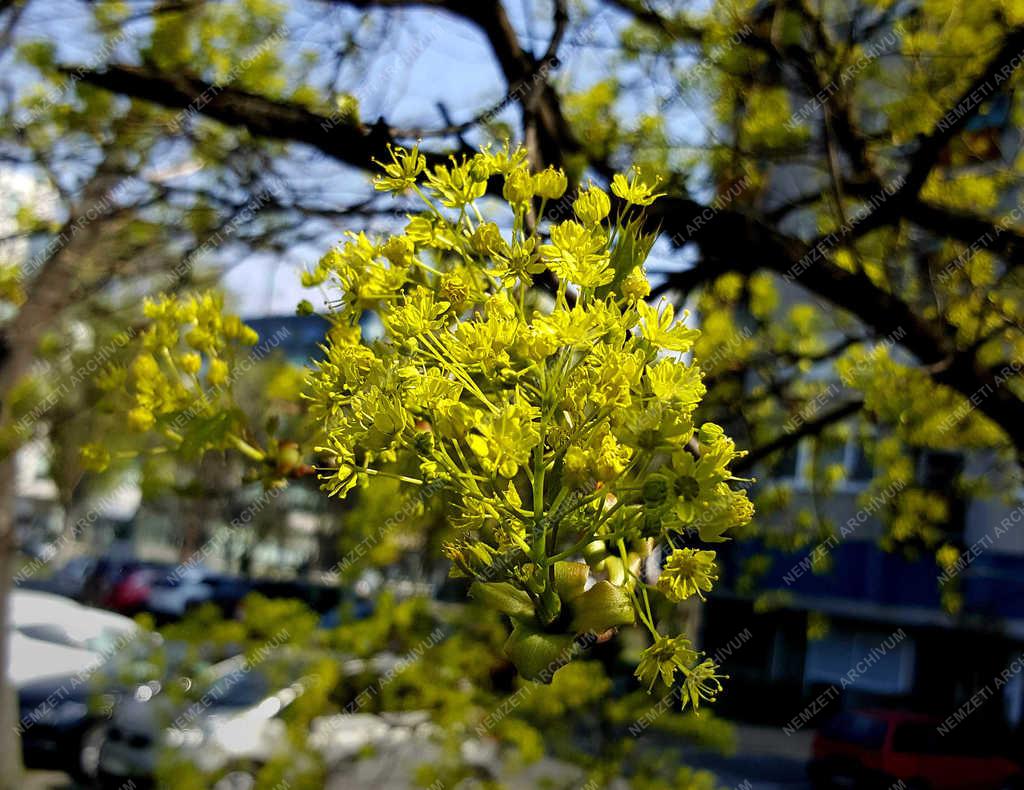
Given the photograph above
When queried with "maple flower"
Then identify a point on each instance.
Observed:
(688, 572)
(663, 659)
(592, 205)
(547, 428)
(662, 330)
(634, 190)
(701, 682)
(401, 173)
(578, 255)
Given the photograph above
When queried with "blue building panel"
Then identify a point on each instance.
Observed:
(301, 338)
(860, 572)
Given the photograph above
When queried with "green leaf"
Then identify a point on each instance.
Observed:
(538, 655)
(570, 579)
(601, 607)
(503, 597)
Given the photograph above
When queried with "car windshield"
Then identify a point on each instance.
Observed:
(856, 728)
(106, 641)
(186, 577)
(237, 689)
(49, 632)
(76, 568)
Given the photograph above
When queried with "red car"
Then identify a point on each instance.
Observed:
(906, 751)
(128, 589)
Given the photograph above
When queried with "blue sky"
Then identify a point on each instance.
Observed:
(426, 58)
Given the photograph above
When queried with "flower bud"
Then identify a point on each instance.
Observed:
(288, 457)
(710, 433)
(217, 373)
(145, 367)
(518, 187)
(486, 238)
(399, 250)
(594, 552)
(479, 169)
(550, 183)
(615, 569)
(140, 419)
(592, 205)
(570, 579)
(636, 286)
(190, 362)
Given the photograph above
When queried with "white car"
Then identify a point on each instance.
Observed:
(56, 646)
(52, 635)
(234, 718)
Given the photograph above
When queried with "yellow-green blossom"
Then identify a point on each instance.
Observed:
(578, 255)
(688, 572)
(457, 185)
(592, 205)
(402, 171)
(701, 682)
(550, 183)
(663, 659)
(634, 190)
(662, 330)
(519, 187)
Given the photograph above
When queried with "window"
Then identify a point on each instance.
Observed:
(881, 663)
(795, 464)
(937, 470)
(48, 632)
(786, 466)
(858, 464)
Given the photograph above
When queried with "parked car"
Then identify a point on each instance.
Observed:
(57, 649)
(69, 580)
(351, 608)
(58, 620)
(879, 749)
(321, 598)
(109, 574)
(232, 718)
(129, 592)
(172, 594)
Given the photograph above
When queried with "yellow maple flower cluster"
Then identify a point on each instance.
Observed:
(177, 388)
(559, 421)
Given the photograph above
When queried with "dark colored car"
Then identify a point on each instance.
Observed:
(68, 581)
(60, 728)
(175, 593)
(885, 749)
(321, 598)
(107, 575)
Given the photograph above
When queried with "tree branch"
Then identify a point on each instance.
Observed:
(353, 144)
(791, 438)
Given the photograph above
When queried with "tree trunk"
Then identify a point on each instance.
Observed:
(49, 294)
(10, 744)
